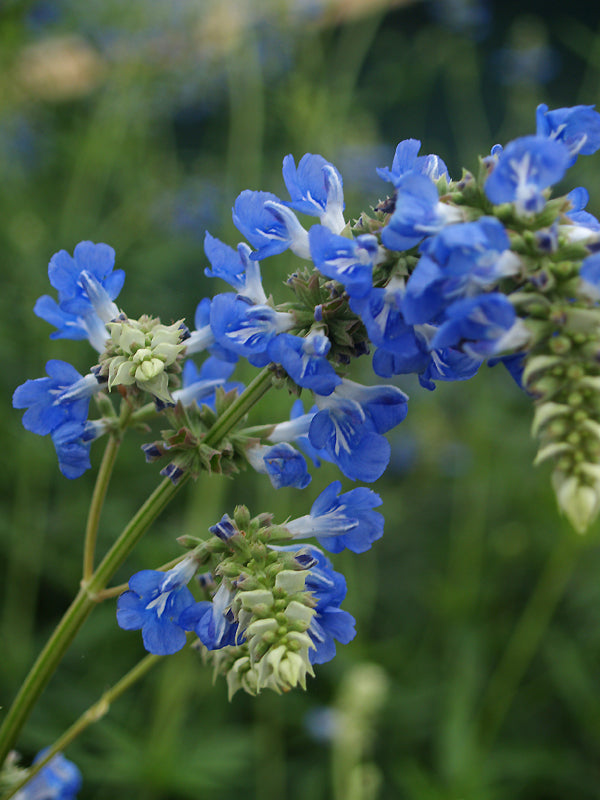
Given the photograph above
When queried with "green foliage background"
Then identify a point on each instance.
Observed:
(480, 608)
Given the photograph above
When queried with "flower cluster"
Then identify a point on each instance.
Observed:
(440, 277)
(274, 608)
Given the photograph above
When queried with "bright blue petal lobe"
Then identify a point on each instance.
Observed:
(64, 396)
(578, 128)
(347, 521)
(303, 358)
(477, 325)
(417, 213)
(524, 169)
(265, 231)
(154, 603)
(349, 261)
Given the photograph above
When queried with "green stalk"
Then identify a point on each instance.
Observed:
(78, 611)
(96, 504)
(93, 714)
(527, 635)
(238, 410)
(90, 590)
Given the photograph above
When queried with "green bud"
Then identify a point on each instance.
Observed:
(538, 365)
(297, 612)
(258, 598)
(241, 517)
(188, 541)
(545, 413)
(143, 353)
(578, 501)
(560, 345)
(593, 427)
(557, 428)
(291, 581)
(551, 451)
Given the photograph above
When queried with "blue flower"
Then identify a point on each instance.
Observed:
(269, 225)
(246, 329)
(347, 521)
(330, 622)
(407, 159)
(64, 396)
(224, 529)
(578, 128)
(213, 622)
(481, 326)
(315, 187)
(443, 364)
(284, 465)
(235, 267)
(349, 423)
(349, 261)
(154, 603)
(382, 315)
(200, 385)
(87, 286)
(418, 212)
(303, 358)
(461, 261)
(72, 442)
(59, 779)
(524, 169)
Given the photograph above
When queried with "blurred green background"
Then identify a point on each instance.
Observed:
(474, 673)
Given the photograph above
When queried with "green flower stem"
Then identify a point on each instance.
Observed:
(90, 590)
(100, 489)
(144, 414)
(77, 613)
(237, 410)
(93, 714)
(528, 634)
